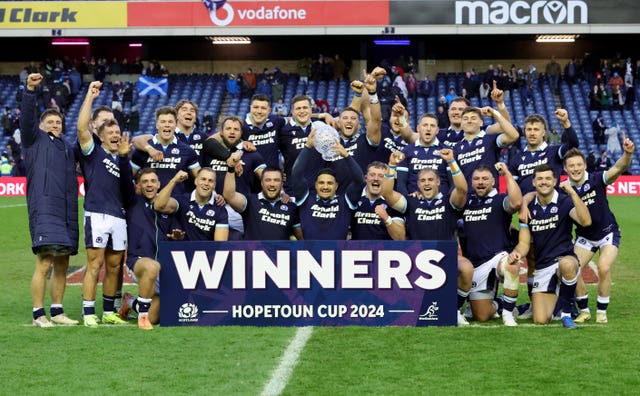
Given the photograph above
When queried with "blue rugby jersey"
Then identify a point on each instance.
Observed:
(483, 149)
(418, 158)
(199, 223)
(523, 164)
(593, 192)
(551, 229)
(486, 225)
(265, 138)
(366, 224)
(291, 142)
(177, 156)
(101, 180)
(431, 220)
(265, 220)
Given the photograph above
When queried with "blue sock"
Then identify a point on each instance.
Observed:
(107, 304)
(56, 309)
(38, 312)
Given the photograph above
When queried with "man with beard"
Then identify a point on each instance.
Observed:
(423, 153)
(373, 219)
(433, 214)
(248, 171)
(324, 214)
(487, 209)
(201, 218)
(265, 215)
(548, 225)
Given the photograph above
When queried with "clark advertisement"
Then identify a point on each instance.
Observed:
(308, 283)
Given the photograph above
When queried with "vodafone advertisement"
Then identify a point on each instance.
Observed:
(17, 186)
(258, 13)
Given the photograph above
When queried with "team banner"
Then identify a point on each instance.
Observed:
(308, 283)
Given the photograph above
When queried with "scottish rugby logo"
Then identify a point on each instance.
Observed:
(188, 312)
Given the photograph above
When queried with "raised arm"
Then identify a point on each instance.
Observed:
(395, 227)
(164, 203)
(374, 124)
(127, 186)
(398, 118)
(572, 138)
(141, 143)
(514, 194)
(623, 163)
(509, 133)
(498, 96)
(29, 110)
(84, 117)
(459, 194)
(393, 198)
(580, 213)
(300, 183)
(237, 200)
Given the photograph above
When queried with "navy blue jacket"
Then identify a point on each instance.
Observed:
(52, 184)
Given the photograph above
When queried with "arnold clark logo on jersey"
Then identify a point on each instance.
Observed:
(521, 12)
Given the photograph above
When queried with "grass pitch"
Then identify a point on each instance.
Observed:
(483, 359)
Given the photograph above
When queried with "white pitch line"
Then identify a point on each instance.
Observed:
(282, 373)
(12, 206)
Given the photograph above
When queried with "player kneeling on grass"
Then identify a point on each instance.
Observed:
(487, 209)
(146, 227)
(548, 221)
(603, 234)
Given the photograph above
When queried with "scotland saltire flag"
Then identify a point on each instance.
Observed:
(150, 86)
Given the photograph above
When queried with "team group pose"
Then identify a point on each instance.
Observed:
(260, 177)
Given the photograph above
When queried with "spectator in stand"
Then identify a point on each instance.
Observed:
(322, 106)
(613, 143)
(232, 87)
(629, 91)
(250, 79)
(571, 72)
(471, 85)
(264, 88)
(617, 98)
(133, 120)
(412, 85)
(615, 80)
(303, 68)
(598, 126)
(207, 122)
(280, 108)
(553, 72)
(127, 96)
(425, 87)
(451, 96)
(605, 97)
(6, 169)
(603, 163)
(277, 89)
(594, 98)
(591, 161)
(339, 68)
(443, 118)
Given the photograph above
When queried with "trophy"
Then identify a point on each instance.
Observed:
(325, 139)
